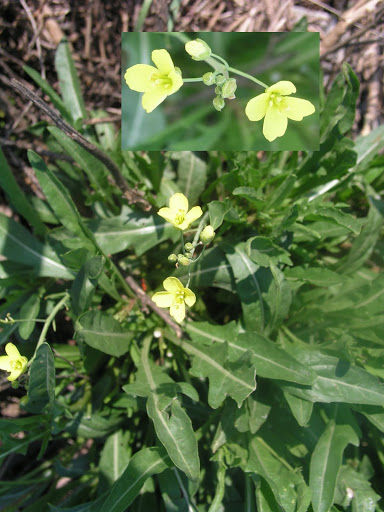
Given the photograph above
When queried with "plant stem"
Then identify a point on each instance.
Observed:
(245, 75)
(200, 79)
(221, 59)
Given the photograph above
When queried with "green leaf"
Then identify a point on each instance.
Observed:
(17, 244)
(101, 331)
(281, 193)
(115, 456)
(287, 485)
(318, 276)
(59, 198)
(69, 82)
(249, 286)
(342, 219)
(41, 390)
(192, 175)
(364, 498)
(31, 426)
(264, 252)
(29, 310)
(327, 457)
(337, 380)
(93, 168)
(145, 463)
(251, 195)
(17, 198)
(232, 378)
(301, 409)
(94, 426)
(85, 283)
(217, 211)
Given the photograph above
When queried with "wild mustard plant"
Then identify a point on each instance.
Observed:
(176, 296)
(272, 105)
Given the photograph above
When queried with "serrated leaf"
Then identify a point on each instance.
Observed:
(145, 463)
(233, 378)
(17, 244)
(41, 390)
(101, 331)
(327, 457)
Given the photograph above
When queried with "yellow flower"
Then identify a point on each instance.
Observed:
(277, 109)
(13, 362)
(175, 297)
(155, 82)
(178, 214)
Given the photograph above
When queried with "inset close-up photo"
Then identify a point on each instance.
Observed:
(220, 91)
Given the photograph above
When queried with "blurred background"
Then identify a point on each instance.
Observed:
(187, 119)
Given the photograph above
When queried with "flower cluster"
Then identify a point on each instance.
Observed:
(274, 105)
(176, 296)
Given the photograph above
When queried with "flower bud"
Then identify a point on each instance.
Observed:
(183, 260)
(172, 258)
(207, 235)
(198, 49)
(229, 88)
(218, 103)
(220, 80)
(209, 78)
(218, 90)
(188, 246)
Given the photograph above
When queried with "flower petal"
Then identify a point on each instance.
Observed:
(173, 285)
(275, 124)
(5, 363)
(296, 108)
(152, 99)
(177, 82)
(138, 77)
(283, 87)
(163, 61)
(257, 107)
(193, 214)
(189, 297)
(178, 202)
(163, 299)
(178, 312)
(167, 214)
(12, 351)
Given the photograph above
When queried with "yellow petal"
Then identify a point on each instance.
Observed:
(257, 107)
(138, 77)
(167, 214)
(193, 214)
(163, 61)
(178, 312)
(275, 124)
(189, 297)
(178, 202)
(163, 299)
(5, 363)
(12, 351)
(173, 285)
(152, 99)
(297, 108)
(177, 82)
(283, 87)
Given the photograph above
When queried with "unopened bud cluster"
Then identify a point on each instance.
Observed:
(225, 88)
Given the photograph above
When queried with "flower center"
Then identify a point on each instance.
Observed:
(161, 80)
(275, 99)
(179, 298)
(179, 217)
(16, 365)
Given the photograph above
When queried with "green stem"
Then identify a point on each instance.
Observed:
(245, 75)
(200, 79)
(221, 59)
(182, 243)
(48, 322)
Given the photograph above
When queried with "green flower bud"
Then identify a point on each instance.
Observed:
(229, 88)
(218, 90)
(183, 260)
(198, 49)
(15, 384)
(188, 246)
(218, 103)
(209, 78)
(220, 80)
(207, 235)
(172, 258)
